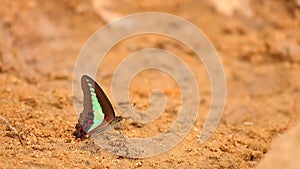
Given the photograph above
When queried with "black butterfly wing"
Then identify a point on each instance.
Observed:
(101, 97)
(97, 109)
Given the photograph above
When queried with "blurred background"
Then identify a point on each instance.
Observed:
(258, 43)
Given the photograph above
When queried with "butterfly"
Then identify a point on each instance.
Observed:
(97, 113)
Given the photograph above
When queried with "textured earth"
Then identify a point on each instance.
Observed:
(258, 43)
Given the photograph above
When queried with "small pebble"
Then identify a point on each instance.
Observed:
(87, 163)
(248, 123)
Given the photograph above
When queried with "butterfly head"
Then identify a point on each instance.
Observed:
(115, 121)
(118, 118)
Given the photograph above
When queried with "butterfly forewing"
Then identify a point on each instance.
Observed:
(97, 111)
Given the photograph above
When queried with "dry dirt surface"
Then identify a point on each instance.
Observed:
(259, 45)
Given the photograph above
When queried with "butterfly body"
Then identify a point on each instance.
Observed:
(97, 113)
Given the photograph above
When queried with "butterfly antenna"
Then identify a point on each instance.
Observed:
(129, 108)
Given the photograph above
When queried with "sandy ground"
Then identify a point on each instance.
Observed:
(258, 43)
